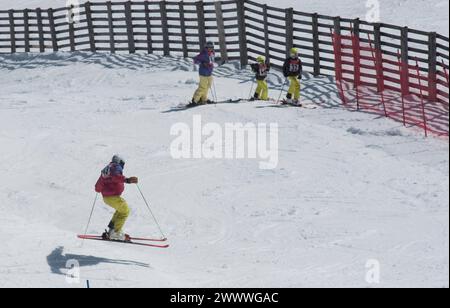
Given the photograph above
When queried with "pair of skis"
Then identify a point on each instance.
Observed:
(282, 103)
(147, 242)
(285, 103)
(192, 105)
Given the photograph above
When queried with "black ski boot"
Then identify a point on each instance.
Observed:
(105, 235)
(192, 104)
(288, 100)
(297, 103)
(255, 97)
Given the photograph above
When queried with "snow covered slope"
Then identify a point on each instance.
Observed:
(420, 14)
(349, 187)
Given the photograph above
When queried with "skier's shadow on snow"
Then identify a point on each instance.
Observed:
(58, 261)
(175, 109)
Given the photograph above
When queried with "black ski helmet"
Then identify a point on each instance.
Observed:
(210, 44)
(117, 159)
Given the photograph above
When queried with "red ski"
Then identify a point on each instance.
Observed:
(88, 236)
(99, 238)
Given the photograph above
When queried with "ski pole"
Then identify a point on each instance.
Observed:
(212, 89)
(282, 89)
(212, 94)
(92, 212)
(251, 89)
(151, 212)
(215, 92)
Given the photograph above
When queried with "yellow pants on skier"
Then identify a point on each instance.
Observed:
(122, 211)
(201, 95)
(262, 90)
(294, 89)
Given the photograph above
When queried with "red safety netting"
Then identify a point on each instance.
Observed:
(369, 80)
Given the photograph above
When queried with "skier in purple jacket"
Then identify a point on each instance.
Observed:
(206, 61)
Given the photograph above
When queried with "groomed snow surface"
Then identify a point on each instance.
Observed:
(350, 187)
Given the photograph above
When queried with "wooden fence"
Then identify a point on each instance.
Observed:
(242, 29)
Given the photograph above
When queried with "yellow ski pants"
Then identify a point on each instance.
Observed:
(201, 95)
(262, 90)
(294, 89)
(122, 211)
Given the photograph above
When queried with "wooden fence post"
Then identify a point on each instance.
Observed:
(148, 26)
(40, 29)
(379, 57)
(357, 52)
(266, 31)
(184, 41)
(337, 33)
(432, 66)
(26, 29)
(243, 49)
(405, 61)
(221, 30)
(337, 42)
(201, 23)
(51, 22)
(71, 19)
(357, 27)
(12, 31)
(130, 32)
(165, 27)
(87, 7)
(337, 25)
(289, 30)
(316, 45)
(112, 46)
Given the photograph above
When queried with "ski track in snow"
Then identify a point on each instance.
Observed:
(349, 187)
